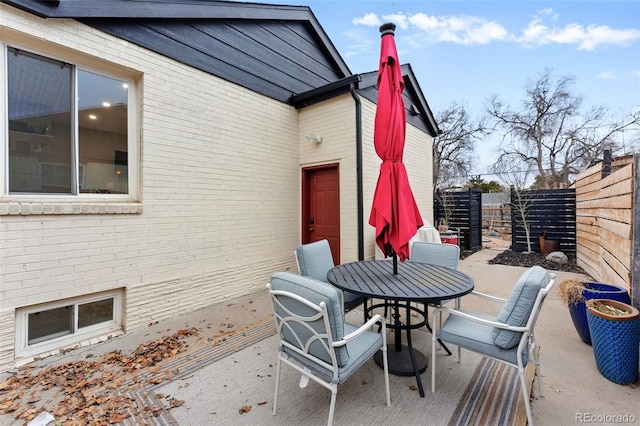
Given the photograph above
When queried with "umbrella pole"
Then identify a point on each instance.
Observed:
(395, 262)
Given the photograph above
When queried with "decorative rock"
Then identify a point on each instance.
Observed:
(493, 233)
(558, 257)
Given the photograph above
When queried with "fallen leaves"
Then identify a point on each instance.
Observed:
(100, 392)
(93, 392)
(174, 402)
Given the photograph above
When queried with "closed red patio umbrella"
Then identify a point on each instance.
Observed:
(394, 212)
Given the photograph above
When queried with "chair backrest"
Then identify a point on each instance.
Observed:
(523, 305)
(308, 316)
(314, 259)
(446, 255)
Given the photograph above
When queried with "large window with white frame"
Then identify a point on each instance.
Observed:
(68, 128)
(53, 325)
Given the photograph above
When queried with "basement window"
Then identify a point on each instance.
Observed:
(51, 326)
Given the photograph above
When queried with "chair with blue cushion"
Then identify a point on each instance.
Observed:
(315, 260)
(507, 337)
(314, 338)
(441, 254)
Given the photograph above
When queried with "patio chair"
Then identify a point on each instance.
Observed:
(315, 260)
(509, 336)
(441, 254)
(314, 338)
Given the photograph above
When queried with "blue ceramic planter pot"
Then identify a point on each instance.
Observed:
(615, 341)
(578, 311)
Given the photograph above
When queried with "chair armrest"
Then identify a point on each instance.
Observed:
(488, 296)
(364, 327)
(468, 316)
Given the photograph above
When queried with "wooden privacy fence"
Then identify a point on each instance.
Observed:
(550, 210)
(608, 238)
(496, 217)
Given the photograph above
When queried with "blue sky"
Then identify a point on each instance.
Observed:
(465, 51)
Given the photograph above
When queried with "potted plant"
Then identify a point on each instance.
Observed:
(548, 246)
(573, 293)
(615, 333)
(443, 226)
(447, 205)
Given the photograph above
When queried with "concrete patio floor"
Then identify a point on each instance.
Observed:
(574, 391)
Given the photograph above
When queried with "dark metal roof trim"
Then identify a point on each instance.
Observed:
(322, 93)
(95, 11)
(412, 95)
(162, 9)
(422, 106)
(149, 22)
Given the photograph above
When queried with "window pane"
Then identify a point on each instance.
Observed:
(102, 121)
(40, 117)
(49, 324)
(95, 312)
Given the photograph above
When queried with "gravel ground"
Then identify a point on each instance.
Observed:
(507, 257)
(527, 260)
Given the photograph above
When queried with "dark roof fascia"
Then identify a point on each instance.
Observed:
(40, 8)
(411, 86)
(369, 79)
(328, 91)
(423, 107)
(89, 10)
(158, 9)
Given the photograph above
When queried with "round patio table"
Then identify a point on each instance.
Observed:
(414, 282)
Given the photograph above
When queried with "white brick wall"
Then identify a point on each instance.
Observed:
(334, 120)
(418, 158)
(219, 187)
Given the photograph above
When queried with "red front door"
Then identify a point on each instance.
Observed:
(321, 207)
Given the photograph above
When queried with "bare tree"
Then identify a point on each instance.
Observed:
(551, 133)
(453, 148)
(517, 175)
(447, 204)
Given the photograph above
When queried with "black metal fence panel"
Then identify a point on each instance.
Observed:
(549, 210)
(462, 211)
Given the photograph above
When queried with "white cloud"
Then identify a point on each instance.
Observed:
(596, 35)
(591, 37)
(460, 29)
(399, 19)
(370, 20)
(473, 30)
(608, 75)
(360, 42)
(373, 20)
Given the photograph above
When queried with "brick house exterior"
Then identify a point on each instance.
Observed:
(213, 206)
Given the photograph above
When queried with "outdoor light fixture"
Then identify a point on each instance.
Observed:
(314, 138)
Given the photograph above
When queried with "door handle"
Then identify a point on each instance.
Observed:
(310, 229)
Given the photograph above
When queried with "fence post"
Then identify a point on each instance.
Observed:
(513, 223)
(606, 163)
(635, 242)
